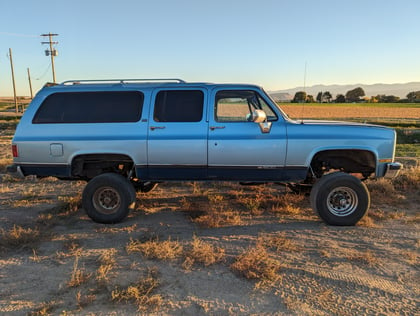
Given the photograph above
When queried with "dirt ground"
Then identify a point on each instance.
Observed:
(369, 269)
(55, 261)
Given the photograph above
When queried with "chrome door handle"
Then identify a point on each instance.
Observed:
(156, 127)
(216, 127)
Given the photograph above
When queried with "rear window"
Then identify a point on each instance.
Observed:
(91, 107)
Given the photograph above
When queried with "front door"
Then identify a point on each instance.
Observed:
(177, 135)
(238, 148)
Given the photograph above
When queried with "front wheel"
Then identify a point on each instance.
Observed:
(340, 199)
(108, 197)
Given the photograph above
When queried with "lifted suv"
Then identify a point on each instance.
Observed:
(128, 135)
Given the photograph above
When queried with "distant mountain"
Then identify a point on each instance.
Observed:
(398, 89)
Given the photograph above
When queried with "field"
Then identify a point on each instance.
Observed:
(207, 249)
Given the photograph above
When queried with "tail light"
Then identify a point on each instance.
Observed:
(15, 151)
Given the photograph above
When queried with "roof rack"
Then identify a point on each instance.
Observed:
(121, 81)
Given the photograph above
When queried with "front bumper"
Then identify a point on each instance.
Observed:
(392, 170)
(15, 171)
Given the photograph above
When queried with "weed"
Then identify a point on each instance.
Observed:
(107, 263)
(20, 237)
(84, 300)
(278, 242)
(219, 218)
(140, 292)
(256, 263)
(408, 180)
(78, 275)
(44, 309)
(203, 253)
(155, 249)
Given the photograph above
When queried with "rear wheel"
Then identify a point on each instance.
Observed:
(108, 197)
(340, 199)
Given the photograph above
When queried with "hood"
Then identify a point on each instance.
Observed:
(338, 123)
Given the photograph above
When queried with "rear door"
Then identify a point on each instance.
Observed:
(177, 134)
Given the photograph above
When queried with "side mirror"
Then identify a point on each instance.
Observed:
(259, 116)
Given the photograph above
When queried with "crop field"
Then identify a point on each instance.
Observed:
(397, 111)
(210, 248)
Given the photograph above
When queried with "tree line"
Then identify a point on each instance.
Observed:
(356, 95)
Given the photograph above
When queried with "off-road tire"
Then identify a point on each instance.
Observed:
(108, 198)
(340, 199)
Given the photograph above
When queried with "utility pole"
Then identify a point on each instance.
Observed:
(30, 84)
(51, 52)
(13, 80)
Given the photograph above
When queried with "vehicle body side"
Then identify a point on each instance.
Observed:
(203, 150)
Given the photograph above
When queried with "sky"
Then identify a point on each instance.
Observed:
(278, 44)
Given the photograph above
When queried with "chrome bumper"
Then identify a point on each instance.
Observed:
(392, 170)
(16, 171)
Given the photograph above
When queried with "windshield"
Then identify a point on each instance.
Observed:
(277, 106)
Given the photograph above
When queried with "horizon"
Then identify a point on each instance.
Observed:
(298, 88)
(266, 42)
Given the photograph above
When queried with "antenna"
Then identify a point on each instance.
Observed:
(304, 90)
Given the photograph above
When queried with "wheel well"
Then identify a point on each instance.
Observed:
(354, 161)
(89, 166)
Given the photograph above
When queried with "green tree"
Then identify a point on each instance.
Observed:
(310, 99)
(355, 94)
(319, 97)
(340, 98)
(327, 96)
(414, 96)
(299, 97)
(387, 98)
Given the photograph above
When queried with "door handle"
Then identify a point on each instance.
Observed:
(216, 127)
(156, 127)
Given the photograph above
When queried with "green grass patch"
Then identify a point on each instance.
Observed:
(407, 150)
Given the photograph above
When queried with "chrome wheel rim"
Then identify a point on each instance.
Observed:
(342, 201)
(106, 200)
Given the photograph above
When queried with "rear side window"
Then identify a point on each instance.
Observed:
(179, 106)
(91, 107)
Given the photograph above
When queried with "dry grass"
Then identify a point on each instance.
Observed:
(219, 218)
(84, 300)
(256, 263)
(141, 293)
(107, 262)
(155, 249)
(408, 180)
(277, 242)
(218, 214)
(365, 257)
(19, 237)
(202, 252)
(44, 309)
(79, 275)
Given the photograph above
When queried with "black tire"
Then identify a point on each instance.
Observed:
(108, 197)
(340, 199)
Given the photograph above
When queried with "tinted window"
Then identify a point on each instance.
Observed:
(91, 107)
(237, 106)
(179, 106)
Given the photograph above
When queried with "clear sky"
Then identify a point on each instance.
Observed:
(267, 42)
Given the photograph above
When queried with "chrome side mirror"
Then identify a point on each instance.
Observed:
(259, 116)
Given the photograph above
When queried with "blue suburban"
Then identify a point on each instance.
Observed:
(128, 135)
